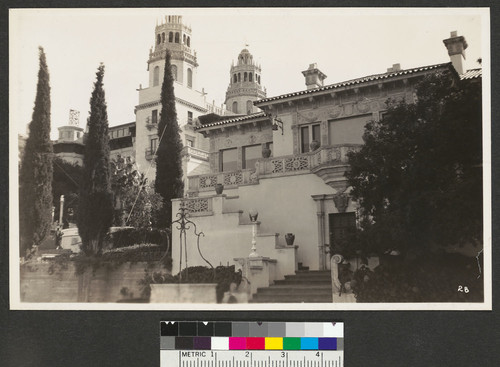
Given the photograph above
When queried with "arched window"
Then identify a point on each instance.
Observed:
(189, 41)
(245, 76)
(156, 76)
(235, 78)
(158, 39)
(235, 107)
(163, 37)
(249, 107)
(250, 77)
(183, 38)
(190, 78)
(171, 37)
(176, 37)
(174, 72)
(239, 77)
(258, 79)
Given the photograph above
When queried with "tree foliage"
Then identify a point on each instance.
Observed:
(168, 181)
(35, 191)
(95, 203)
(418, 177)
(135, 201)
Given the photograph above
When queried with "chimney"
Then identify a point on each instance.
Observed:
(456, 46)
(314, 77)
(395, 67)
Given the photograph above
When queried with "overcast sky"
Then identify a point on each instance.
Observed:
(345, 43)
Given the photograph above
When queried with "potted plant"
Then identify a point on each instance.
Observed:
(289, 238)
(219, 188)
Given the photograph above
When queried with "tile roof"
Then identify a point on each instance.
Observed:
(357, 81)
(472, 74)
(236, 119)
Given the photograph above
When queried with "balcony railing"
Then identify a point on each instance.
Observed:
(292, 164)
(195, 153)
(274, 167)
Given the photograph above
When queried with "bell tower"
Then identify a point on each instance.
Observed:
(244, 85)
(175, 36)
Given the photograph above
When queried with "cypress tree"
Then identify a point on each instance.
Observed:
(168, 160)
(35, 191)
(95, 212)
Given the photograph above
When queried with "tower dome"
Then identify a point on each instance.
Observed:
(244, 85)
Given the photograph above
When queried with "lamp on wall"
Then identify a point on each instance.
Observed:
(276, 123)
(253, 214)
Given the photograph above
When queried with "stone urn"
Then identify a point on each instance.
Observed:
(266, 152)
(289, 238)
(219, 188)
(314, 145)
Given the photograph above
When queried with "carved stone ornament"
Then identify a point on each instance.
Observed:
(341, 202)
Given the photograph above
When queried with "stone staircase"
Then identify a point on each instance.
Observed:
(304, 286)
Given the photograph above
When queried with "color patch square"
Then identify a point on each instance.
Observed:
(168, 328)
(295, 329)
(167, 342)
(220, 343)
(309, 343)
(205, 329)
(313, 329)
(258, 329)
(274, 343)
(187, 329)
(291, 343)
(237, 343)
(333, 329)
(202, 343)
(241, 329)
(327, 343)
(223, 329)
(276, 329)
(184, 342)
(256, 343)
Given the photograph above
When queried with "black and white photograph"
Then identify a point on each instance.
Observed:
(250, 159)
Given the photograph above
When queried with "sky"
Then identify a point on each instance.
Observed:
(345, 43)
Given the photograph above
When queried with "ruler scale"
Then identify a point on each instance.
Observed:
(251, 344)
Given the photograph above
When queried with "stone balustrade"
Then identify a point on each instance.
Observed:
(195, 152)
(333, 155)
(230, 179)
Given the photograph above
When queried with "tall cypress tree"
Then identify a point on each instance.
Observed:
(95, 202)
(35, 191)
(168, 160)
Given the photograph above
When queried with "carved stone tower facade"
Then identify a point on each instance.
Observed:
(176, 37)
(245, 85)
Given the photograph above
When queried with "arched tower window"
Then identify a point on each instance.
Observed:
(189, 41)
(171, 37)
(176, 37)
(258, 79)
(249, 107)
(163, 37)
(235, 78)
(245, 76)
(183, 38)
(235, 107)
(158, 39)
(239, 77)
(250, 77)
(190, 78)
(174, 72)
(156, 76)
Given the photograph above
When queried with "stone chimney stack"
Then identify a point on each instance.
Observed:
(314, 77)
(456, 46)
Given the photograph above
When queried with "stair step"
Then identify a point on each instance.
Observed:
(292, 291)
(303, 281)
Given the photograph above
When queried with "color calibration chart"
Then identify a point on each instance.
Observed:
(251, 344)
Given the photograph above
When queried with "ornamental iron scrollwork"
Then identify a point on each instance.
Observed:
(183, 224)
